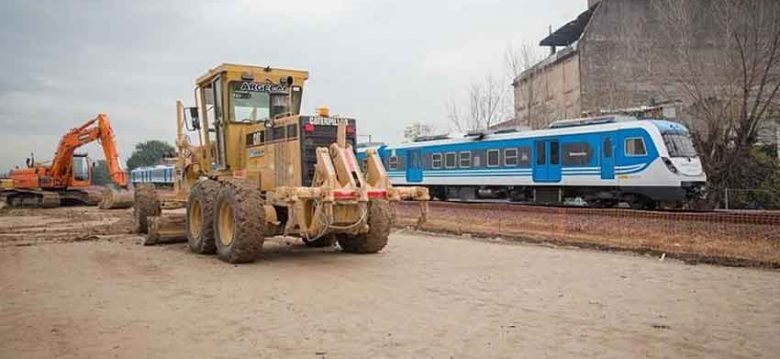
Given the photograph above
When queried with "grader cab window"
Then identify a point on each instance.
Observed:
(249, 106)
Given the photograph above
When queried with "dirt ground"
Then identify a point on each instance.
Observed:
(76, 284)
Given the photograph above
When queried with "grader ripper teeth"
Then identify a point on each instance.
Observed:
(262, 169)
(338, 190)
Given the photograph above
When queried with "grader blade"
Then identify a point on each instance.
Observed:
(168, 228)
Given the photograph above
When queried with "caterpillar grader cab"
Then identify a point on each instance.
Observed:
(68, 179)
(260, 168)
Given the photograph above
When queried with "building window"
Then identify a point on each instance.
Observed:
(510, 157)
(449, 160)
(464, 159)
(492, 158)
(393, 162)
(635, 146)
(524, 156)
(436, 161)
(577, 154)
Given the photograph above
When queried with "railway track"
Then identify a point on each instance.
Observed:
(756, 218)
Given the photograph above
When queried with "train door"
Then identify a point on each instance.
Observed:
(607, 157)
(413, 166)
(547, 161)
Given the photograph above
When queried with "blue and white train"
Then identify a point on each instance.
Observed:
(603, 161)
(161, 176)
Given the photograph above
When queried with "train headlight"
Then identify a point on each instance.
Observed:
(669, 165)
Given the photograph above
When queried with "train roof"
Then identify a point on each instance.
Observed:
(575, 126)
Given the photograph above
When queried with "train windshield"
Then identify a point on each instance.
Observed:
(679, 144)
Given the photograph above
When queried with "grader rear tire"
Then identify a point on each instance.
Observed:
(145, 205)
(239, 222)
(199, 221)
(380, 220)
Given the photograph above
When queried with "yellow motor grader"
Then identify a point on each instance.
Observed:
(261, 169)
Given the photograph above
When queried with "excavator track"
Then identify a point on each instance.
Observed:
(32, 198)
(50, 199)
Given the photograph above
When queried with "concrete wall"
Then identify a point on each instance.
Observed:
(632, 52)
(623, 59)
(630, 56)
(549, 92)
(616, 71)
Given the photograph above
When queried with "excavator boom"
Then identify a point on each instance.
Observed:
(99, 129)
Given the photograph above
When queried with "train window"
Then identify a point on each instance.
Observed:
(492, 158)
(541, 157)
(607, 147)
(436, 161)
(524, 156)
(577, 154)
(393, 162)
(635, 146)
(510, 157)
(449, 160)
(292, 131)
(554, 155)
(465, 159)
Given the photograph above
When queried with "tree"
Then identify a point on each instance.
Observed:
(485, 106)
(417, 129)
(517, 61)
(491, 101)
(100, 174)
(149, 153)
(731, 86)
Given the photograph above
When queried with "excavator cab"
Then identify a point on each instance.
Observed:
(82, 171)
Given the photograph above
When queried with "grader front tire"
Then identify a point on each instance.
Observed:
(200, 217)
(239, 223)
(380, 221)
(145, 205)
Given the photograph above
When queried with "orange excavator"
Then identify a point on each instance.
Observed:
(68, 179)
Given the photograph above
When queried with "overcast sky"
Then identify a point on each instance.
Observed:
(386, 63)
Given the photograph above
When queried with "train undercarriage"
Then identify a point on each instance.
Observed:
(686, 196)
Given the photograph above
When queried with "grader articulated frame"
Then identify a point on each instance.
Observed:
(262, 169)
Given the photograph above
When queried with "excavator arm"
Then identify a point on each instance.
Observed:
(99, 129)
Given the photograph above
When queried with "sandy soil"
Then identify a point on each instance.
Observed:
(424, 296)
